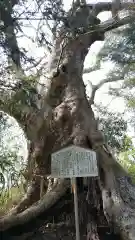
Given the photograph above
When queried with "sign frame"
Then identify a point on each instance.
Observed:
(79, 162)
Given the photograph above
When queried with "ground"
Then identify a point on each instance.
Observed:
(58, 223)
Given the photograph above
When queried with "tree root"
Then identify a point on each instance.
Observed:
(32, 196)
(49, 200)
(118, 206)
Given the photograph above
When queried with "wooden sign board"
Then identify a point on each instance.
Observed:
(74, 161)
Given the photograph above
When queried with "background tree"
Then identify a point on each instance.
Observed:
(12, 161)
(114, 127)
(119, 48)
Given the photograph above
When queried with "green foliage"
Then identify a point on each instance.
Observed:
(119, 47)
(127, 144)
(26, 95)
(23, 97)
(10, 197)
(127, 157)
(129, 83)
(127, 163)
(11, 163)
(131, 103)
(131, 171)
(113, 127)
(11, 158)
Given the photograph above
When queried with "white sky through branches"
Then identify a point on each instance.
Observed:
(102, 97)
(95, 77)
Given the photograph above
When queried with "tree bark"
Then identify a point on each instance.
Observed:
(71, 121)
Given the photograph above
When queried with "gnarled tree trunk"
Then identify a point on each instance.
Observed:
(109, 198)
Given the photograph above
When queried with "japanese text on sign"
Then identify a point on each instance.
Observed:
(74, 162)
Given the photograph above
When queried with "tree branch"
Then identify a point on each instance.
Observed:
(14, 2)
(107, 6)
(114, 76)
(90, 69)
(112, 24)
(101, 83)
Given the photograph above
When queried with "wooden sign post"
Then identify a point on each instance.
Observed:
(74, 186)
(73, 162)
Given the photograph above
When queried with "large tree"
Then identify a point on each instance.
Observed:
(59, 114)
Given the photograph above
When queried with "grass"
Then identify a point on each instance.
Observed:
(10, 198)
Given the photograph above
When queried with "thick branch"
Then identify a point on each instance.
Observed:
(112, 24)
(10, 44)
(90, 69)
(14, 2)
(107, 6)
